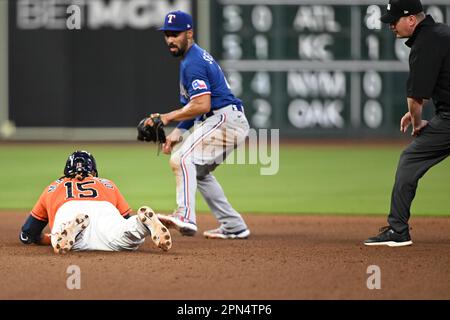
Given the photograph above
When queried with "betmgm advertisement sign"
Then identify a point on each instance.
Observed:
(89, 63)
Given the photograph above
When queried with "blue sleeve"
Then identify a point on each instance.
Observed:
(186, 124)
(197, 80)
(31, 230)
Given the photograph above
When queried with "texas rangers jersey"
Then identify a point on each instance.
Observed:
(89, 189)
(200, 74)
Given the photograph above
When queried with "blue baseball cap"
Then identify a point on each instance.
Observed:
(177, 21)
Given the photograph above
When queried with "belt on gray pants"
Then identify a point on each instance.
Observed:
(234, 107)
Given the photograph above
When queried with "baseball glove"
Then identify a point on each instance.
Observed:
(154, 133)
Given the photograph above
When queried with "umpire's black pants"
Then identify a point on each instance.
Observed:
(430, 147)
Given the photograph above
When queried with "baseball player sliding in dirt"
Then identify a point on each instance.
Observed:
(207, 100)
(85, 212)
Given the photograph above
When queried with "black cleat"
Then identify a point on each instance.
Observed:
(388, 237)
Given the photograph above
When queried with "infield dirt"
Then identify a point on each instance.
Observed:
(286, 257)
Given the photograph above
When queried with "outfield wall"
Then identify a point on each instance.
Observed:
(91, 69)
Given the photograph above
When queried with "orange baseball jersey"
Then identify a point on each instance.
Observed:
(66, 189)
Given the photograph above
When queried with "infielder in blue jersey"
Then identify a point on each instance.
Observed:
(219, 125)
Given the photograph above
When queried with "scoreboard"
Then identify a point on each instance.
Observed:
(315, 67)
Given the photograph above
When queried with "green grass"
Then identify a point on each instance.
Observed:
(311, 179)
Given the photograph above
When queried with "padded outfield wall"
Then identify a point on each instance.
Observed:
(91, 69)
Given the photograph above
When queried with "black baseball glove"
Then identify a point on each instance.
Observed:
(154, 133)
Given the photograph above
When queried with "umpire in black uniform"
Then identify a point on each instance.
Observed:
(429, 77)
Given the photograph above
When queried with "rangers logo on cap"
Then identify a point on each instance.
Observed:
(177, 21)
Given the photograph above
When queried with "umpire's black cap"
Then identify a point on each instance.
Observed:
(401, 8)
(177, 21)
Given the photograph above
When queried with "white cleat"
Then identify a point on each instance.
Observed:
(159, 233)
(222, 234)
(390, 243)
(66, 238)
(185, 227)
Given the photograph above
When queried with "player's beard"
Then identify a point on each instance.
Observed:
(181, 49)
(177, 53)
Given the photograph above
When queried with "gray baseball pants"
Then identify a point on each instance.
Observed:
(429, 148)
(202, 151)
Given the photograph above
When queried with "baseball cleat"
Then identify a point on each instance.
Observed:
(222, 234)
(389, 237)
(70, 230)
(185, 227)
(159, 233)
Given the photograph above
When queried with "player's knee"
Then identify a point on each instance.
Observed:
(175, 163)
(405, 179)
(408, 156)
(407, 172)
(204, 170)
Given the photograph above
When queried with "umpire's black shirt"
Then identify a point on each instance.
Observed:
(429, 63)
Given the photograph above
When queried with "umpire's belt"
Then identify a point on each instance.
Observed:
(233, 107)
